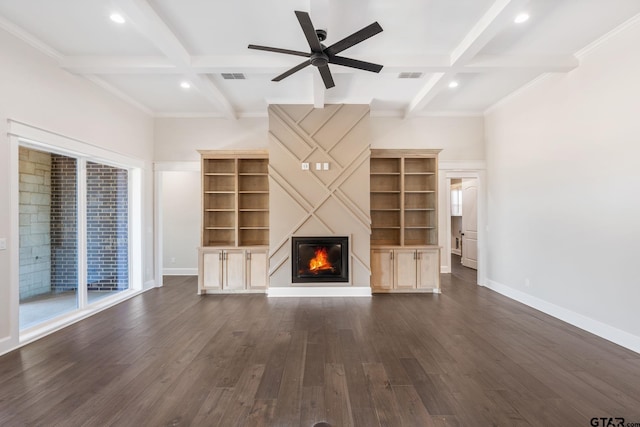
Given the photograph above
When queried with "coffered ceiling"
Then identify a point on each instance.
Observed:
(424, 46)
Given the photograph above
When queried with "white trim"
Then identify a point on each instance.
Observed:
(37, 137)
(157, 227)
(29, 38)
(516, 93)
(118, 93)
(180, 271)
(585, 51)
(445, 241)
(615, 335)
(176, 166)
(187, 115)
(14, 240)
(319, 291)
(450, 113)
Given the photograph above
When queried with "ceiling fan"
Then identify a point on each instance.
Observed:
(320, 55)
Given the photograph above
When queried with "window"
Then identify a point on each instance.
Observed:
(456, 200)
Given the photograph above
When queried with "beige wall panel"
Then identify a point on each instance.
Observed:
(312, 123)
(335, 201)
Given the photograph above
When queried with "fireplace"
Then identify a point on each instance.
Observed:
(319, 259)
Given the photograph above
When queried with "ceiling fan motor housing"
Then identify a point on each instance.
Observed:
(322, 34)
(318, 59)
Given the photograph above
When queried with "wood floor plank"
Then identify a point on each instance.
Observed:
(336, 396)
(467, 357)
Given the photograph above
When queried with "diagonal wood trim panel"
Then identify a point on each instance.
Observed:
(319, 202)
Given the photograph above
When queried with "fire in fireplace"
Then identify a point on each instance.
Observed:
(319, 259)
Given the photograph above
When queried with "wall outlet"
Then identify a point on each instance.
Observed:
(305, 166)
(173, 260)
(3, 244)
(325, 166)
(318, 166)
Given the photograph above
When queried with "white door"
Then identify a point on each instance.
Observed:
(470, 223)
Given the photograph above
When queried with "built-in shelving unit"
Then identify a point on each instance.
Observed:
(235, 203)
(404, 198)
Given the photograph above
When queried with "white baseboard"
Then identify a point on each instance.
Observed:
(615, 335)
(444, 269)
(148, 285)
(319, 291)
(180, 271)
(456, 252)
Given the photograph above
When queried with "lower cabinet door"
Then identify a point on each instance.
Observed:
(234, 270)
(382, 269)
(257, 269)
(212, 270)
(429, 268)
(405, 268)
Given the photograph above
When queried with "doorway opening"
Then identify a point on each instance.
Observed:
(462, 220)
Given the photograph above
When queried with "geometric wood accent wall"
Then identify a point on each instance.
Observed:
(319, 203)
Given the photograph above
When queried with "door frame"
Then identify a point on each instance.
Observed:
(462, 170)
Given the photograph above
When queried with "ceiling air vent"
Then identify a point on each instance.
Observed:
(233, 76)
(409, 75)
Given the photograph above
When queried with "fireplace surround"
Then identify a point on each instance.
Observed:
(319, 259)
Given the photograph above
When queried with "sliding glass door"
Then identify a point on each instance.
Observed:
(74, 219)
(107, 230)
(48, 235)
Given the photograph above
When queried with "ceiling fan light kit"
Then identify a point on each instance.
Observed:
(320, 55)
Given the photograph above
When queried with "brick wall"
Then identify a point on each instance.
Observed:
(64, 224)
(34, 209)
(107, 228)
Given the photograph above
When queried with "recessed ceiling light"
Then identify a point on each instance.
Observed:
(453, 84)
(185, 85)
(521, 17)
(117, 18)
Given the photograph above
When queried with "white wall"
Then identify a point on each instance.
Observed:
(181, 192)
(33, 90)
(460, 138)
(563, 186)
(178, 139)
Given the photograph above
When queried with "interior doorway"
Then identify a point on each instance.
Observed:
(462, 242)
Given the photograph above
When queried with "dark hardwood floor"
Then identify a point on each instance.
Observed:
(467, 357)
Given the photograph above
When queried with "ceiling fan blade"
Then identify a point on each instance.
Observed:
(355, 38)
(326, 76)
(278, 50)
(354, 63)
(292, 70)
(309, 31)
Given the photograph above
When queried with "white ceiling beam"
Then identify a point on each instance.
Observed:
(251, 65)
(499, 15)
(318, 90)
(146, 20)
(118, 65)
(541, 63)
(426, 93)
(492, 22)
